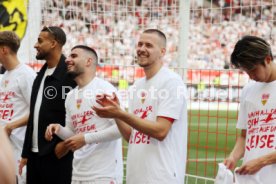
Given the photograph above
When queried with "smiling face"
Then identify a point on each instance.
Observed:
(76, 62)
(44, 45)
(149, 49)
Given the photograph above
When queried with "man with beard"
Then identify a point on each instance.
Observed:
(156, 125)
(48, 162)
(100, 160)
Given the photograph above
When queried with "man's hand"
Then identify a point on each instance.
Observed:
(251, 167)
(75, 142)
(104, 99)
(61, 150)
(51, 129)
(8, 129)
(230, 163)
(22, 164)
(110, 106)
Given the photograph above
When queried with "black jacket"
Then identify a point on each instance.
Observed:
(52, 109)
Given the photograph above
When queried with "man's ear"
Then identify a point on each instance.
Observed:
(268, 59)
(163, 52)
(54, 43)
(4, 50)
(89, 62)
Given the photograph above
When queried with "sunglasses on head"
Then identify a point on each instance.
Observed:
(49, 30)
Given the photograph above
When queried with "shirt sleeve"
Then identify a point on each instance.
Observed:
(172, 99)
(64, 133)
(242, 117)
(109, 134)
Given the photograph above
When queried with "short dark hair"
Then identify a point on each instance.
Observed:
(10, 39)
(2, 70)
(158, 33)
(57, 33)
(88, 49)
(250, 51)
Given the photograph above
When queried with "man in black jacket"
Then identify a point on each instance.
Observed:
(48, 162)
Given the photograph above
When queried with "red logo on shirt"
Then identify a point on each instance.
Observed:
(268, 118)
(81, 121)
(265, 97)
(143, 96)
(6, 97)
(6, 82)
(6, 107)
(78, 103)
(145, 112)
(84, 119)
(139, 137)
(261, 129)
(260, 141)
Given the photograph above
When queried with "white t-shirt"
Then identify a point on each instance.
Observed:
(149, 160)
(1, 75)
(15, 93)
(257, 116)
(48, 71)
(93, 161)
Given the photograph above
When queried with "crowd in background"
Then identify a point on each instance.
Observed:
(112, 27)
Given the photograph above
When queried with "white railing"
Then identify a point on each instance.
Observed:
(193, 179)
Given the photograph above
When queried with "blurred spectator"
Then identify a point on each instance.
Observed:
(112, 27)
